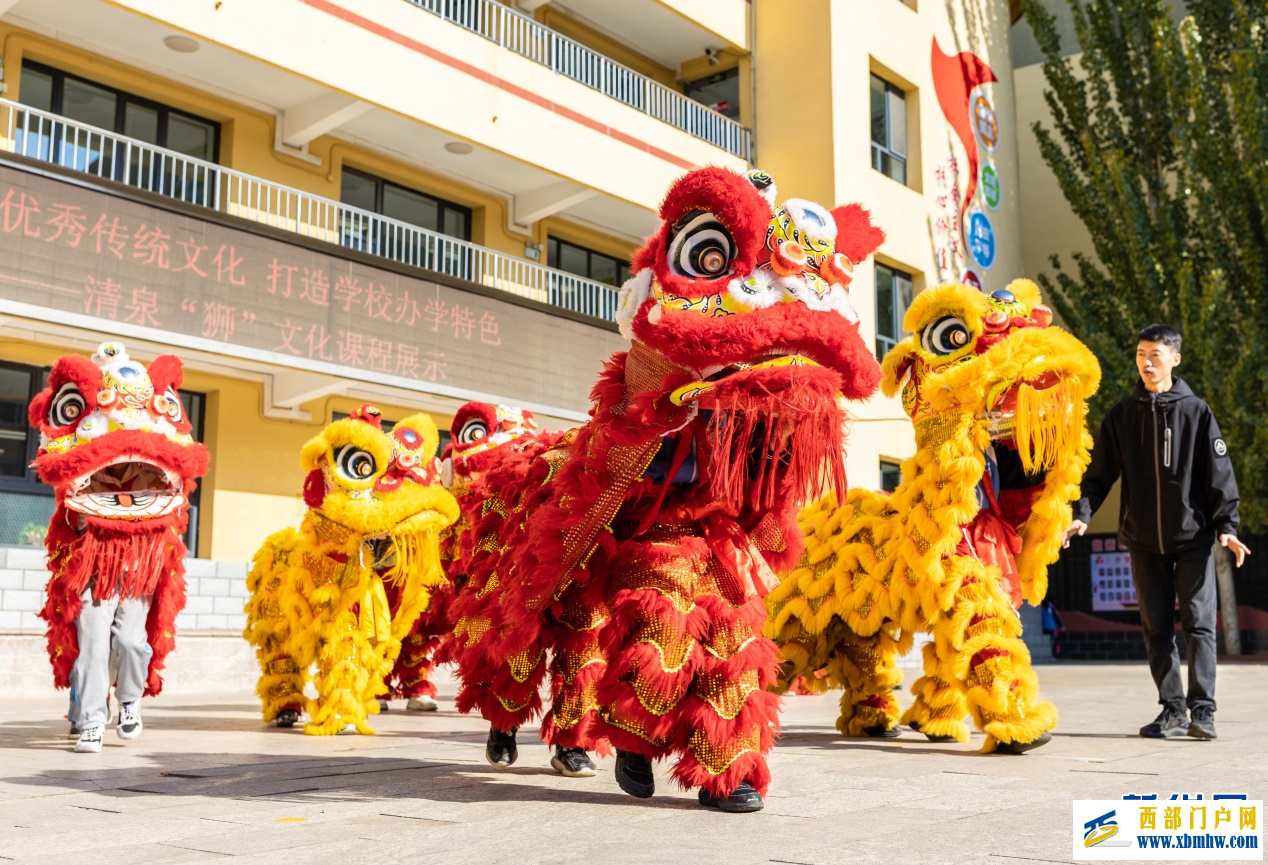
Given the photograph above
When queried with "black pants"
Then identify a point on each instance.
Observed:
(1159, 578)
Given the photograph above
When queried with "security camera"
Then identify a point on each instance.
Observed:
(712, 55)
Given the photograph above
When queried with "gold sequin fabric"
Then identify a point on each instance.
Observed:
(716, 757)
(570, 706)
(725, 694)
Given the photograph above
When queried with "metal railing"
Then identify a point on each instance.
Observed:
(517, 32)
(55, 139)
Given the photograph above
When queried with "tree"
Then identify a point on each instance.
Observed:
(1159, 140)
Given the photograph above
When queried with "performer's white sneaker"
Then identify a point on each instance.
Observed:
(421, 704)
(90, 739)
(129, 726)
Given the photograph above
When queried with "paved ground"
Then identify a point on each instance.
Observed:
(208, 782)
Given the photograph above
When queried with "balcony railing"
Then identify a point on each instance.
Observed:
(55, 139)
(517, 32)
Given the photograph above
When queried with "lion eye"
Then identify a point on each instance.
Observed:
(473, 431)
(702, 248)
(175, 410)
(67, 407)
(945, 336)
(355, 463)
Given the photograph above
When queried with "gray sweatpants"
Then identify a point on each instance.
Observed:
(113, 647)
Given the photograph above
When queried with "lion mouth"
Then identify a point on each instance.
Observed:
(1003, 400)
(127, 488)
(711, 376)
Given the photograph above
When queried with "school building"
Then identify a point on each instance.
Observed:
(317, 203)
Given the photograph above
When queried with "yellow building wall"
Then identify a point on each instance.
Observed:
(247, 138)
(813, 120)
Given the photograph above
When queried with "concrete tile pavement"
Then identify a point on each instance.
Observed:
(207, 781)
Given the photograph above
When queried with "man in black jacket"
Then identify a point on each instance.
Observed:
(1179, 495)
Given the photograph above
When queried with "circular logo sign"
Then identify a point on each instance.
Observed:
(1220, 448)
(971, 278)
(982, 240)
(990, 186)
(985, 121)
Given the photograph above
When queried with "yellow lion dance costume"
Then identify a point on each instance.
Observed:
(999, 400)
(319, 594)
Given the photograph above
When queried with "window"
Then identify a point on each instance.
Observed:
(26, 504)
(571, 258)
(889, 130)
(122, 113)
(562, 255)
(376, 195)
(891, 475)
(720, 91)
(893, 296)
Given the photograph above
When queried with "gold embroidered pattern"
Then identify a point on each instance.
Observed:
(716, 757)
(674, 645)
(473, 628)
(570, 664)
(582, 617)
(767, 535)
(572, 705)
(727, 639)
(522, 666)
(725, 694)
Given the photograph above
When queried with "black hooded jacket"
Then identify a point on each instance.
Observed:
(1179, 492)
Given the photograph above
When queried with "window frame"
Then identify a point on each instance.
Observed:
(899, 310)
(380, 183)
(884, 463)
(886, 148)
(552, 254)
(122, 98)
(693, 87)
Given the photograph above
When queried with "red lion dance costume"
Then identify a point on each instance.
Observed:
(117, 449)
(635, 552)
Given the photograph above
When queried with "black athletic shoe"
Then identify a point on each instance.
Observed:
(382, 706)
(1022, 747)
(941, 740)
(1202, 723)
(634, 774)
(500, 750)
(1170, 722)
(286, 718)
(573, 763)
(743, 799)
(880, 731)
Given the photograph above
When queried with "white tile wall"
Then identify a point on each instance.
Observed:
(217, 592)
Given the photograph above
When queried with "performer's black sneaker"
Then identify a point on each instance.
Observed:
(382, 706)
(742, 800)
(573, 763)
(634, 774)
(500, 750)
(1202, 723)
(941, 740)
(286, 718)
(1170, 722)
(1022, 747)
(880, 731)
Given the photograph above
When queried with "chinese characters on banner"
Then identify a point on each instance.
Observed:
(948, 236)
(71, 249)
